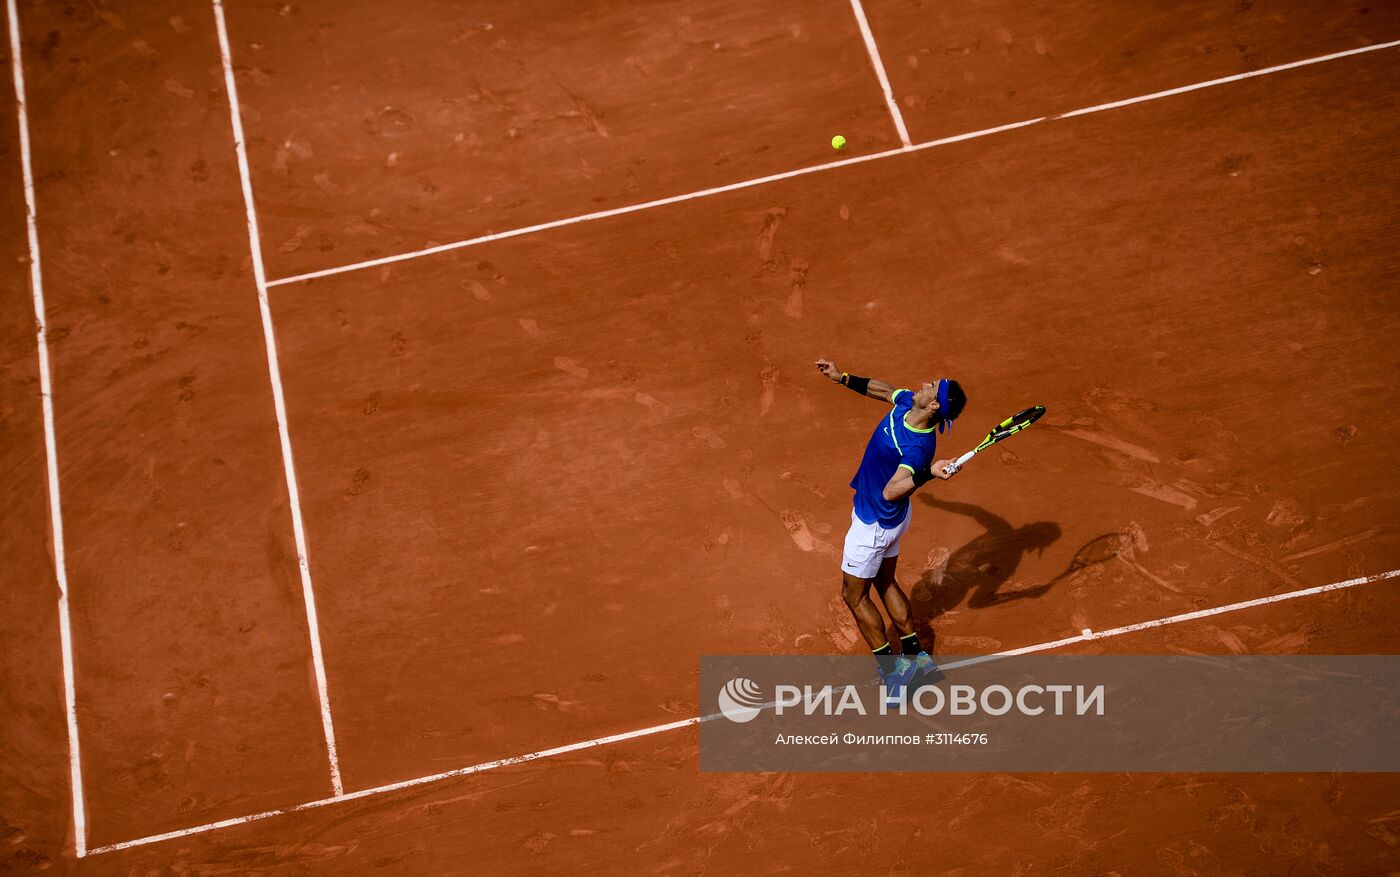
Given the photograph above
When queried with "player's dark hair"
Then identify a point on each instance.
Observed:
(956, 400)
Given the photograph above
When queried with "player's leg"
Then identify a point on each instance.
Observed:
(860, 563)
(892, 596)
(897, 605)
(856, 591)
(895, 676)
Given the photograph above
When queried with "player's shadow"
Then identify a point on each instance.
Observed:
(980, 567)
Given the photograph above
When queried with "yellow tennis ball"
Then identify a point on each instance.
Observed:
(838, 142)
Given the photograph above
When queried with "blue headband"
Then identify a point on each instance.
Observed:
(944, 421)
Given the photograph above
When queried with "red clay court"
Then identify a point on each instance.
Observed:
(397, 436)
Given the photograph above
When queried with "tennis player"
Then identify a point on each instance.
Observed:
(899, 459)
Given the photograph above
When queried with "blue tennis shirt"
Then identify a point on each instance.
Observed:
(893, 444)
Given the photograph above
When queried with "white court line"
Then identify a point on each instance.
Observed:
(587, 217)
(880, 72)
(685, 723)
(1091, 635)
(1224, 79)
(60, 564)
(832, 165)
(275, 374)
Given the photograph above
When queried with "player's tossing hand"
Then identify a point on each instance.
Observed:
(829, 368)
(940, 469)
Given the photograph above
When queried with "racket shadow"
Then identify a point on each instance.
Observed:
(977, 571)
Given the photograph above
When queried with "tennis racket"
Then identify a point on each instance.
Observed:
(1004, 430)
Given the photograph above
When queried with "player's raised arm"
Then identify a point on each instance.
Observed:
(872, 387)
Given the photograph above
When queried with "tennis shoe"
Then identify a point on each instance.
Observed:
(925, 671)
(895, 676)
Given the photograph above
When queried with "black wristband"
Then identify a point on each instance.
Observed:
(923, 476)
(860, 385)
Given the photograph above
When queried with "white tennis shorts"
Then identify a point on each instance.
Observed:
(868, 544)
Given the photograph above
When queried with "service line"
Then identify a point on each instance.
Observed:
(831, 165)
(278, 401)
(1086, 636)
(60, 564)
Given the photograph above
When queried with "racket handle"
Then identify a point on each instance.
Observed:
(957, 464)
